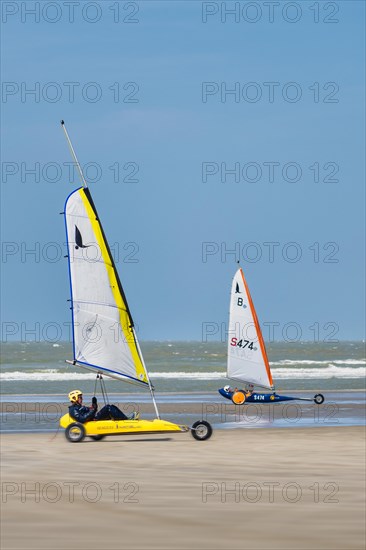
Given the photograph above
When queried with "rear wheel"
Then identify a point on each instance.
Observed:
(318, 398)
(97, 437)
(201, 430)
(238, 398)
(75, 432)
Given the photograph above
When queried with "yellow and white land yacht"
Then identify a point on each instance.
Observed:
(104, 337)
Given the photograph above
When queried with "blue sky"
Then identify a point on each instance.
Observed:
(168, 134)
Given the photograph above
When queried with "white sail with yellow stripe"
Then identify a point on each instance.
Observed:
(247, 356)
(104, 338)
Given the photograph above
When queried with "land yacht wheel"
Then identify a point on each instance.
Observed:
(318, 398)
(97, 437)
(201, 430)
(238, 398)
(75, 432)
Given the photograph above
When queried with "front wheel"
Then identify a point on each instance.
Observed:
(97, 437)
(318, 398)
(75, 432)
(201, 430)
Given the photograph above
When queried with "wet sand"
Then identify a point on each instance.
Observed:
(25, 413)
(255, 489)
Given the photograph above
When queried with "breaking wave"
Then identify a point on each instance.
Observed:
(308, 362)
(332, 370)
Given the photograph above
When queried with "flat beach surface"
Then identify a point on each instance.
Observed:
(258, 488)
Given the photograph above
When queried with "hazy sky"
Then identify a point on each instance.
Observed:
(209, 132)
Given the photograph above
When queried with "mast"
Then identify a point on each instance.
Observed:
(101, 299)
(73, 154)
(259, 331)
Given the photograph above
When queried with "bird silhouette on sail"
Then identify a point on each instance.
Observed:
(79, 239)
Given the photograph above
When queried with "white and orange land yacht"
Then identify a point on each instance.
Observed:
(104, 338)
(247, 360)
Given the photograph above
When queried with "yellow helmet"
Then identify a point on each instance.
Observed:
(74, 395)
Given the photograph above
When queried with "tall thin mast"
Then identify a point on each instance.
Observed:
(102, 236)
(73, 154)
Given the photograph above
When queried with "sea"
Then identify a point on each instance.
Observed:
(187, 372)
(40, 367)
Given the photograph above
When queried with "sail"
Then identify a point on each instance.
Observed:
(247, 357)
(104, 339)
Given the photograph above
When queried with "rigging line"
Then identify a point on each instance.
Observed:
(105, 391)
(74, 154)
(101, 388)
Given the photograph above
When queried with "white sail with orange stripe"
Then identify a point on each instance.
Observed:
(104, 339)
(247, 356)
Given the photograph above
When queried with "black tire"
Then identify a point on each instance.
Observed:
(319, 398)
(97, 437)
(201, 430)
(75, 432)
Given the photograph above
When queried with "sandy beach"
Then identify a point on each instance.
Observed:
(261, 489)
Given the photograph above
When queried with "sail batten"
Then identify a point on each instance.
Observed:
(247, 356)
(100, 304)
(103, 335)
